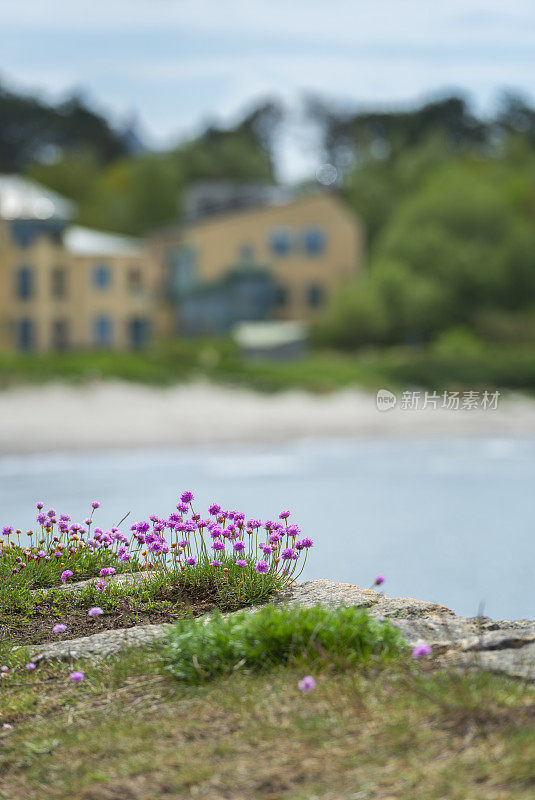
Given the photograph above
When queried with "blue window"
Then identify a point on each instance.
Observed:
(24, 283)
(25, 334)
(314, 241)
(183, 268)
(139, 332)
(102, 331)
(280, 242)
(315, 295)
(101, 276)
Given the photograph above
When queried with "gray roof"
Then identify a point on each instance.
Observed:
(21, 198)
(87, 242)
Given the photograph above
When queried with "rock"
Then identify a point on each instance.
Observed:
(506, 647)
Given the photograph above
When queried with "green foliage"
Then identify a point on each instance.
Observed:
(197, 651)
(32, 129)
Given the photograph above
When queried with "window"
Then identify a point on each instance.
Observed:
(282, 296)
(182, 268)
(60, 334)
(24, 283)
(59, 282)
(280, 242)
(101, 276)
(102, 331)
(134, 280)
(315, 295)
(25, 334)
(138, 332)
(314, 241)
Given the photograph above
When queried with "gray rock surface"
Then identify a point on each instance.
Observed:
(507, 646)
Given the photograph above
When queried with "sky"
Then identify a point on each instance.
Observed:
(177, 64)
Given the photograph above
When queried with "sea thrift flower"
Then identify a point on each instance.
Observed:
(76, 676)
(3, 668)
(215, 563)
(422, 649)
(7, 727)
(107, 571)
(60, 628)
(287, 554)
(218, 546)
(66, 573)
(186, 497)
(379, 580)
(95, 504)
(239, 546)
(262, 566)
(191, 561)
(241, 563)
(215, 508)
(284, 515)
(30, 666)
(39, 506)
(100, 586)
(95, 612)
(307, 684)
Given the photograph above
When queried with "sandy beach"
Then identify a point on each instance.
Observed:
(112, 414)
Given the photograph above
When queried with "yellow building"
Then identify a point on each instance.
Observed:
(63, 286)
(309, 246)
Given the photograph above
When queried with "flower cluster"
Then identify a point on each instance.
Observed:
(62, 550)
(224, 546)
(222, 542)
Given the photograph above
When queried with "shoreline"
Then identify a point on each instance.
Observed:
(115, 415)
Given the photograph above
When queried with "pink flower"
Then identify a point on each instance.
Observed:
(95, 612)
(30, 666)
(379, 580)
(59, 628)
(77, 676)
(420, 650)
(7, 727)
(66, 574)
(306, 684)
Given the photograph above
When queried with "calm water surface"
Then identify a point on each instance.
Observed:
(443, 520)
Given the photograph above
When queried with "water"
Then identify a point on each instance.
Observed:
(448, 520)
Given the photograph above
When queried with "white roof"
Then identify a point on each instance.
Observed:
(21, 198)
(87, 242)
(269, 334)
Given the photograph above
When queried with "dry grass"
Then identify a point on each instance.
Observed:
(129, 733)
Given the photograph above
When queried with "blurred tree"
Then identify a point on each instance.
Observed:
(31, 130)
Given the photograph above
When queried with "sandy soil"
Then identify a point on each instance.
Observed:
(115, 414)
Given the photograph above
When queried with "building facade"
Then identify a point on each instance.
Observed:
(309, 246)
(65, 287)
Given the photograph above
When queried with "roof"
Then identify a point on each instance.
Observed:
(170, 232)
(88, 242)
(21, 198)
(269, 334)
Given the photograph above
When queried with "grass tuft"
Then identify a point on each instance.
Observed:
(196, 651)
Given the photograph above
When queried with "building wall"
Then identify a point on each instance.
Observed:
(207, 250)
(74, 315)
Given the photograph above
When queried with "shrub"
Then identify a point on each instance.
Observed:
(196, 651)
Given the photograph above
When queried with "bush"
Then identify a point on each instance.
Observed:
(196, 651)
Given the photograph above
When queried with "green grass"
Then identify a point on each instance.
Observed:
(394, 729)
(502, 366)
(273, 636)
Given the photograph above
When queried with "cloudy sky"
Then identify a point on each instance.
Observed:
(178, 63)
